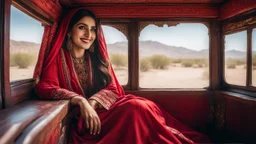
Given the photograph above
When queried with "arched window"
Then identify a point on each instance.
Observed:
(174, 57)
(117, 46)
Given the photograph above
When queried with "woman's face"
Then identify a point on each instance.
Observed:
(83, 33)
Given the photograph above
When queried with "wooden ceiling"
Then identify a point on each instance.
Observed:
(92, 2)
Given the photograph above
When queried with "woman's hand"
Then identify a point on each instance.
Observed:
(88, 113)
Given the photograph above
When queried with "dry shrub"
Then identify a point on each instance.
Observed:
(23, 60)
(159, 61)
(119, 60)
(145, 64)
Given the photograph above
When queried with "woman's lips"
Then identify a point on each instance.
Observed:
(85, 40)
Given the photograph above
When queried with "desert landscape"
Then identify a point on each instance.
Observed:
(174, 75)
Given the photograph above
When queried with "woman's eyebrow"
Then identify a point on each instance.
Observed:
(85, 24)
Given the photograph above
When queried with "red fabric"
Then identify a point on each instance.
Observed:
(127, 118)
(49, 32)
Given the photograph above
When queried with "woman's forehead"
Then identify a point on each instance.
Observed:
(87, 20)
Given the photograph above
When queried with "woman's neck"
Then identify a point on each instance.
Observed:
(78, 52)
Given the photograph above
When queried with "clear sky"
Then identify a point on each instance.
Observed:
(25, 28)
(192, 36)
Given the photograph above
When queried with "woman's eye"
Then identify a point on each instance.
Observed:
(81, 27)
(93, 30)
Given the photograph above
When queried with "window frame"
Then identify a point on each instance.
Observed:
(122, 24)
(16, 91)
(175, 22)
(238, 24)
(133, 51)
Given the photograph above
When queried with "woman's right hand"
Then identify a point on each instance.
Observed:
(88, 113)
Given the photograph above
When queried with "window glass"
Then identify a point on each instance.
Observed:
(174, 57)
(25, 39)
(117, 46)
(254, 57)
(235, 58)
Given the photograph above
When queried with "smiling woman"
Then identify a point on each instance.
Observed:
(102, 109)
(180, 63)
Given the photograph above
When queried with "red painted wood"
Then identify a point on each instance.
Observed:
(235, 7)
(142, 1)
(160, 11)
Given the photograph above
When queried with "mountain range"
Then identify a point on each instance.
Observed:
(146, 48)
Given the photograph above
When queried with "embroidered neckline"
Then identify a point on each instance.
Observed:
(80, 60)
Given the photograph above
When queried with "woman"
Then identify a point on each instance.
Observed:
(78, 69)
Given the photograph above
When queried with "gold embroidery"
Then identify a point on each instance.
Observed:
(62, 94)
(105, 97)
(65, 70)
(81, 71)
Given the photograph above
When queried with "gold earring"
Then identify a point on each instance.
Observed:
(91, 49)
(69, 43)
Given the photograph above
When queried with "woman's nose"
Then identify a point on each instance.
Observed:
(87, 34)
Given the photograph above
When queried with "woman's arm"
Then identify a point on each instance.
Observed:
(48, 87)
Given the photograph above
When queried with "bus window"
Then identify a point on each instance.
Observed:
(117, 45)
(235, 58)
(174, 57)
(25, 39)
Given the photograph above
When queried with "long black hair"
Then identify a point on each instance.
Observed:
(101, 76)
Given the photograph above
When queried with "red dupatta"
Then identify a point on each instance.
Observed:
(55, 83)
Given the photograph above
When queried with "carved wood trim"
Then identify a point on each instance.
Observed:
(238, 25)
(154, 11)
(143, 24)
(220, 110)
(120, 27)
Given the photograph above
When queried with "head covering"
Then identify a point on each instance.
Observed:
(59, 38)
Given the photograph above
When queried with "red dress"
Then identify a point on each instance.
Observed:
(124, 119)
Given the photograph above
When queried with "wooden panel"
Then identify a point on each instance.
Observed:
(33, 115)
(190, 107)
(40, 129)
(214, 59)
(72, 2)
(4, 48)
(239, 117)
(21, 90)
(235, 7)
(155, 11)
(2, 22)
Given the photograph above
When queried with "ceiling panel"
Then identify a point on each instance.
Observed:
(84, 2)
